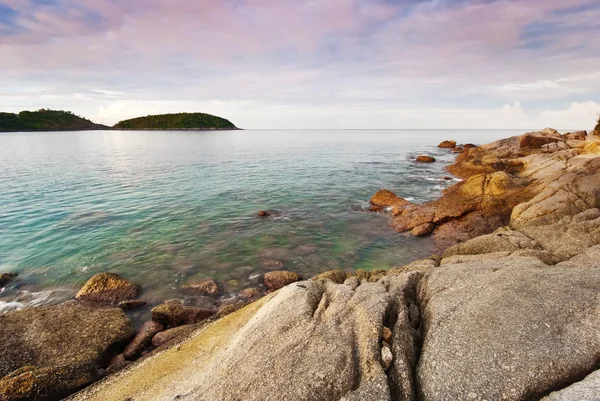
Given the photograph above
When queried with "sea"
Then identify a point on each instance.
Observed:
(168, 208)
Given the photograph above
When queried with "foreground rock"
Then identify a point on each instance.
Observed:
(384, 199)
(108, 288)
(280, 278)
(174, 314)
(5, 278)
(47, 353)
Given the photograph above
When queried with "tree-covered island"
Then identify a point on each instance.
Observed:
(178, 121)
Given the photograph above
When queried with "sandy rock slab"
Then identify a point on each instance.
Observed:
(312, 340)
(50, 352)
(508, 328)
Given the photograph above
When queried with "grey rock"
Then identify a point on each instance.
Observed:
(586, 390)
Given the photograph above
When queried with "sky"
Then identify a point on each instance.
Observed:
(339, 64)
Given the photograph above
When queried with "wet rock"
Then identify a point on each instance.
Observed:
(264, 213)
(174, 334)
(204, 287)
(425, 159)
(491, 323)
(447, 144)
(131, 304)
(337, 276)
(174, 314)
(278, 279)
(108, 288)
(49, 352)
(5, 278)
(423, 230)
(142, 339)
(385, 198)
(447, 178)
(250, 293)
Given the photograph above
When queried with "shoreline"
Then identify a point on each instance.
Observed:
(409, 319)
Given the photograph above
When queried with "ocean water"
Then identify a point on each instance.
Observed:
(165, 208)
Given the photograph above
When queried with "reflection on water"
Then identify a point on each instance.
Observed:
(163, 208)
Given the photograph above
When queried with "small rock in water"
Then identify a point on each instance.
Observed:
(447, 178)
(385, 198)
(278, 279)
(5, 278)
(203, 287)
(108, 288)
(447, 145)
(425, 159)
(250, 293)
(264, 213)
(386, 356)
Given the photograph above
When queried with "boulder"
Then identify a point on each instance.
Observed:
(5, 278)
(578, 135)
(425, 159)
(108, 288)
(310, 340)
(536, 140)
(207, 287)
(337, 276)
(175, 314)
(280, 278)
(447, 144)
(174, 334)
(46, 353)
(510, 328)
(142, 339)
(385, 198)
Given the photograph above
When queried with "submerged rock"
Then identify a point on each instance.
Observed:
(203, 287)
(108, 288)
(250, 293)
(264, 213)
(49, 352)
(5, 278)
(280, 278)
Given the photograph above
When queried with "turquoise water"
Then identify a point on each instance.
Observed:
(163, 208)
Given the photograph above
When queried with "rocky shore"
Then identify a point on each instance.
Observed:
(509, 311)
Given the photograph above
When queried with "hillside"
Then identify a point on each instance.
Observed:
(46, 120)
(195, 121)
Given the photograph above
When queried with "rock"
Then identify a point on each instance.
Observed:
(447, 144)
(117, 363)
(387, 335)
(586, 390)
(425, 159)
(174, 334)
(264, 213)
(250, 293)
(131, 304)
(457, 149)
(578, 136)
(423, 230)
(108, 288)
(536, 140)
(337, 276)
(447, 178)
(174, 314)
(385, 198)
(5, 278)
(469, 146)
(204, 287)
(386, 356)
(231, 307)
(142, 339)
(280, 278)
(46, 353)
(326, 335)
(490, 324)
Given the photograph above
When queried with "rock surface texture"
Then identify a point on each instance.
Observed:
(47, 353)
(510, 311)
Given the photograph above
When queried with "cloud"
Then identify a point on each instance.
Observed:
(338, 59)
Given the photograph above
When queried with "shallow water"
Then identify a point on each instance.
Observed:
(163, 208)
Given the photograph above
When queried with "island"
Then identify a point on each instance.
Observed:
(178, 121)
(46, 120)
